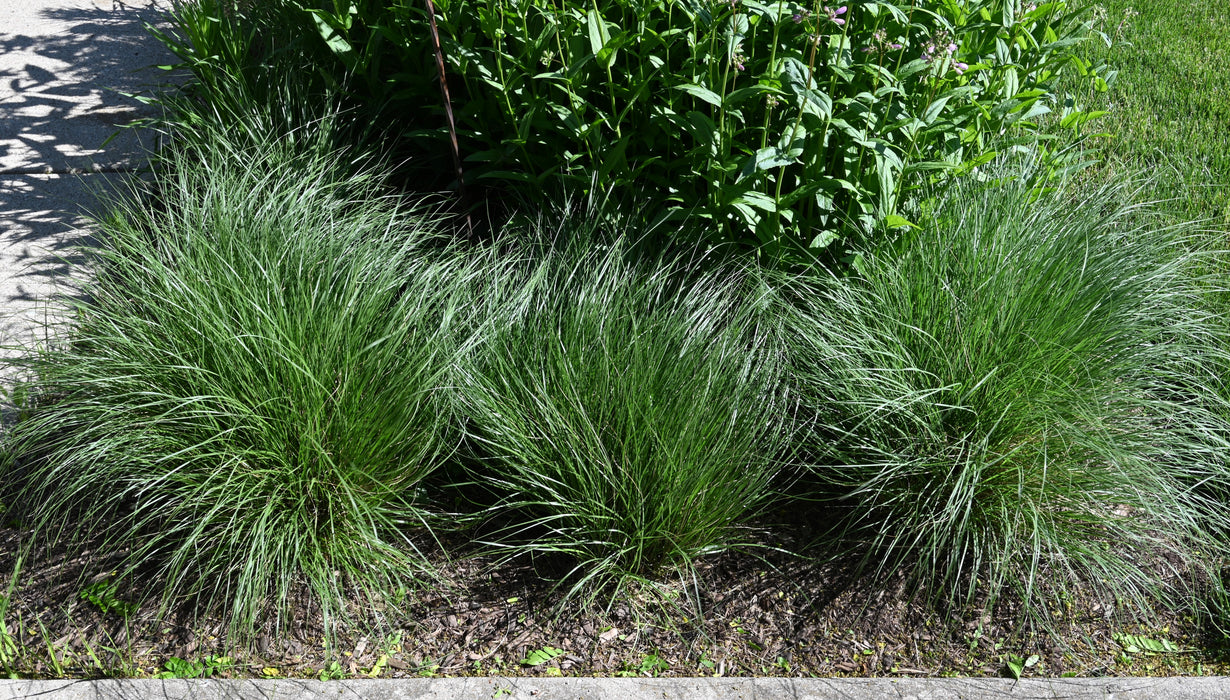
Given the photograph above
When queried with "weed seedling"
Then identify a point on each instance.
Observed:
(102, 595)
(331, 672)
(1015, 665)
(541, 656)
(379, 666)
(652, 665)
(176, 667)
(1136, 644)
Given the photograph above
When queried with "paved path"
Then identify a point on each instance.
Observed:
(64, 68)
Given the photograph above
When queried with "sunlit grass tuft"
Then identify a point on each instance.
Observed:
(248, 395)
(628, 411)
(1016, 399)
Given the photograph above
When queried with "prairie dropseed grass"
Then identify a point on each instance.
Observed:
(630, 411)
(1008, 400)
(249, 394)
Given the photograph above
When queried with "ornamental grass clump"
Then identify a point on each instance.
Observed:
(1016, 400)
(628, 413)
(246, 398)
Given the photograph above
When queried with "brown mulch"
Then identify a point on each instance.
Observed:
(755, 612)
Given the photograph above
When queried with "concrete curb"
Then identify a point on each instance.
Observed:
(626, 689)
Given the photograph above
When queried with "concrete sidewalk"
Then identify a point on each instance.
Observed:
(625, 689)
(64, 68)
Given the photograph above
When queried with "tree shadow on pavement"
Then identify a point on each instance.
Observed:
(66, 73)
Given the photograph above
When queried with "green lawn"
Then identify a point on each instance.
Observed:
(1170, 108)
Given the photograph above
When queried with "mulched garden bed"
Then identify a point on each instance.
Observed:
(761, 612)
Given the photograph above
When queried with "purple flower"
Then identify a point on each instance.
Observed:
(880, 43)
(941, 43)
(960, 68)
(835, 15)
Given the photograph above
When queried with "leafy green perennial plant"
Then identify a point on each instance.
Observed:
(789, 127)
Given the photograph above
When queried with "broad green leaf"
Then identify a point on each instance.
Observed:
(823, 240)
(883, 152)
(737, 29)
(933, 110)
(606, 57)
(1037, 109)
(701, 127)
(1015, 667)
(508, 175)
(759, 200)
(331, 34)
(794, 78)
(613, 159)
(746, 213)
(897, 13)
(598, 34)
(772, 12)
(911, 68)
(701, 92)
(1002, 54)
(1078, 119)
(969, 165)
(922, 166)
(776, 156)
(1012, 82)
(895, 221)
(698, 11)
(742, 94)
(554, 75)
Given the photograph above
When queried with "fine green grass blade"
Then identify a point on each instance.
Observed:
(1020, 398)
(628, 411)
(250, 394)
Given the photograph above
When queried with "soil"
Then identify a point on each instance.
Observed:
(756, 612)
